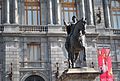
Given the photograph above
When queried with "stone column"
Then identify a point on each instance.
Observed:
(51, 15)
(44, 18)
(82, 9)
(7, 11)
(21, 13)
(15, 11)
(58, 12)
(89, 12)
(106, 13)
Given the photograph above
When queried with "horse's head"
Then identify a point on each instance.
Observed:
(81, 25)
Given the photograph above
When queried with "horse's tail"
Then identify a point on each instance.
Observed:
(67, 43)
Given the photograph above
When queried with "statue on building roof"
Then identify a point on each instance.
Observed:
(98, 14)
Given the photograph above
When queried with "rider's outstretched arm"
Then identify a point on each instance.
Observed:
(64, 23)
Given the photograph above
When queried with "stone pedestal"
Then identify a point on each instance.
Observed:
(11, 28)
(79, 74)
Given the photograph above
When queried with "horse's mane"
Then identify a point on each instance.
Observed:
(78, 22)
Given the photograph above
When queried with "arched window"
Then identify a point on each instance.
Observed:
(115, 12)
(34, 78)
(68, 8)
(32, 12)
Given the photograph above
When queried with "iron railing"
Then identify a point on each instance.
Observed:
(116, 65)
(42, 28)
(56, 28)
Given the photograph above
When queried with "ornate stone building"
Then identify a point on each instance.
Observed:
(32, 36)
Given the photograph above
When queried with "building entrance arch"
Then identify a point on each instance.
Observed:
(34, 78)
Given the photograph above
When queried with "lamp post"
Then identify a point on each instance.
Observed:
(57, 70)
(10, 73)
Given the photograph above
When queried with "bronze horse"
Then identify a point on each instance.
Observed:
(74, 43)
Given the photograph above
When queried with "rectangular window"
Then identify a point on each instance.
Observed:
(29, 17)
(69, 9)
(32, 12)
(35, 17)
(115, 12)
(33, 55)
(97, 3)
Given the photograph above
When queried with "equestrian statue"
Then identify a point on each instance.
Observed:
(74, 44)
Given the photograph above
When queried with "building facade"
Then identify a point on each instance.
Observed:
(32, 36)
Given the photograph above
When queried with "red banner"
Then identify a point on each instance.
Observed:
(105, 65)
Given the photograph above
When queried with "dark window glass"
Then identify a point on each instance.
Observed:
(68, 10)
(115, 12)
(32, 12)
(34, 78)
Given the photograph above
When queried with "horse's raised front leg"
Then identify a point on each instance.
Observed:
(69, 58)
(83, 56)
(72, 58)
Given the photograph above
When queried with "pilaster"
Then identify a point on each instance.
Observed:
(82, 9)
(59, 19)
(89, 12)
(15, 11)
(21, 12)
(7, 11)
(106, 13)
(51, 14)
(12, 56)
(43, 12)
(2, 58)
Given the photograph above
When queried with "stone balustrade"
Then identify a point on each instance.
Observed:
(33, 64)
(116, 31)
(42, 28)
(54, 29)
(116, 65)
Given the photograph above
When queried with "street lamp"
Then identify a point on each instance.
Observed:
(57, 70)
(10, 73)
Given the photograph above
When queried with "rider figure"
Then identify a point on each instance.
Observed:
(70, 27)
(73, 24)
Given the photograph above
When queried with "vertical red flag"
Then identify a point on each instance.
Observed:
(105, 65)
(109, 74)
(102, 65)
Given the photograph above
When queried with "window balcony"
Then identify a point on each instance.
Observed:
(42, 28)
(37, 64)
(10, 28)
(13, 28)
(116, 65)
(116, 31)
(109, 31)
